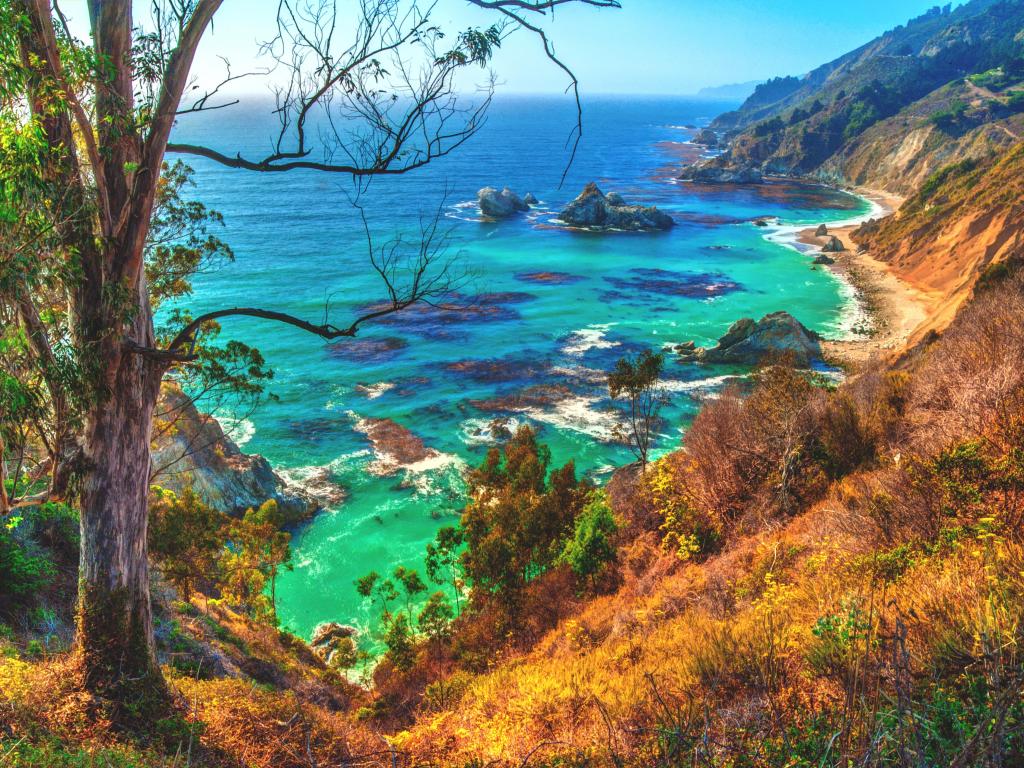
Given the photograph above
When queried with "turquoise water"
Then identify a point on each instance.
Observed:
(446, 375)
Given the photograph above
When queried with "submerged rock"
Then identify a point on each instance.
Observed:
(750, 342)
(500, 205)
(192, 451)
(834, 245)
(595, 210)
(395, 446)
(717, 174)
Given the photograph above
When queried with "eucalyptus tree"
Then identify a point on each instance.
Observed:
(365, 94)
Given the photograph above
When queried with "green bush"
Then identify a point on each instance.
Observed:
(951, 117)
(23, 568)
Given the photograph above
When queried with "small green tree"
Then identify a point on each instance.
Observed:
(400, 639)
(636, 379)
(435, 620)
(372, 586)
(517, 520)
(442, 560)
(591, 548)
(186, 538)
(412, 584)
(257, 550)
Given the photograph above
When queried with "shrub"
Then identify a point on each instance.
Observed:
(590, 548)
(23, 570)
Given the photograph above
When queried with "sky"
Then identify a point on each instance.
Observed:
(646, 47)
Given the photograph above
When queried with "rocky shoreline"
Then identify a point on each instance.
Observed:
(192, 450)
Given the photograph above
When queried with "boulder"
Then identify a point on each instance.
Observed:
(825, 260)
(595, 210)
(718, 174)
(331, 639)
(821, 231)
(530, 199)
(329, 632)
(191, 451)
(688, 351)
(749, 342)
(834, 245)
(500, 205)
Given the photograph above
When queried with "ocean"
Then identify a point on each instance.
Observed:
(553, 310)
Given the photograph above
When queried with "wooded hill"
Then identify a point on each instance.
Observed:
(942, 88)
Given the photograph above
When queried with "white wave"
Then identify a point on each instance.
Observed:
(591, 337)
(317, 481)
(700, 385)
(581, 374)
(578, 414)
(373, 391)
(854, 316)
(240, 431)
(478, 431)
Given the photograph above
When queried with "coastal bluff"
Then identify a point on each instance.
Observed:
(191, 450)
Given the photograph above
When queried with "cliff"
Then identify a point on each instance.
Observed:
(964, 222)
(190, 449)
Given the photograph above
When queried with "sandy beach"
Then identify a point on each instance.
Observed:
(894, 307)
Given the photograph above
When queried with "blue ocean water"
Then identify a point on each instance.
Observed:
(552, 311)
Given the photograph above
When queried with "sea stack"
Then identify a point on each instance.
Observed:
(500, 205)
(751, 342)
(592, 209)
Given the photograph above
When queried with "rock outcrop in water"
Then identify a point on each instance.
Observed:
(395, 446)
(706, 138)
(501, 205)
(330, 639)
(593, 209)
(703, 173)
(750, 342)
(192, 451)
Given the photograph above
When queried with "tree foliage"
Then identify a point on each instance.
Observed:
(636, 380)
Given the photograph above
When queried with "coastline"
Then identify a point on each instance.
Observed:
(885, 309)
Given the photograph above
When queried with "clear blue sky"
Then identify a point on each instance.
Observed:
(649, 46)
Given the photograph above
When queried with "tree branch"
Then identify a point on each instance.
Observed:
(40, 10)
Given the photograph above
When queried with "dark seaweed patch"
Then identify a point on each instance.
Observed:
(549, 278)
(500, 369)
(441, 321)
(643, 281)
(316, 429)
(369, 350)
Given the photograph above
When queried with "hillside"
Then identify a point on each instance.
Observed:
(944, 87)
(827, 572)
(964, 220)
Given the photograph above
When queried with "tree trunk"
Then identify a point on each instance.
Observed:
(115, 626)
(5, 505)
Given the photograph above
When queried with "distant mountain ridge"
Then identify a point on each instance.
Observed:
(947, 86)
(729, 92)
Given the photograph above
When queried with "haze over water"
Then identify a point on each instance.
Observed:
(446, 376)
